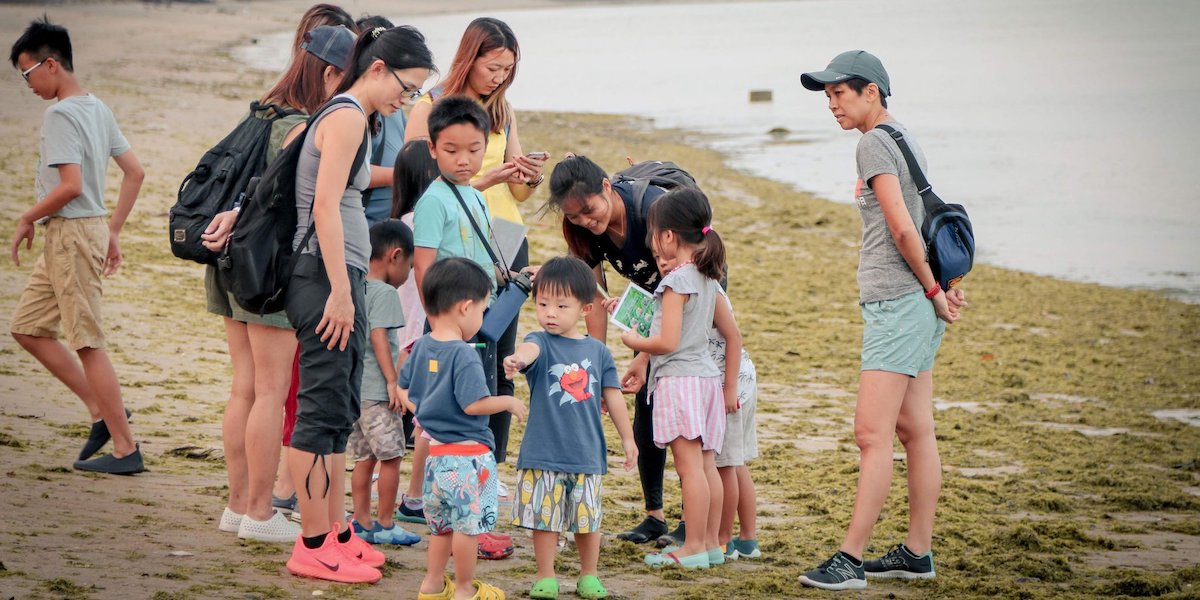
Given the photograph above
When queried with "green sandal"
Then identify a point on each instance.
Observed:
(546, 589)
(589, 586)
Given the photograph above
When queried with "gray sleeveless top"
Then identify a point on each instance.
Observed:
(354, 219)
(691, 358)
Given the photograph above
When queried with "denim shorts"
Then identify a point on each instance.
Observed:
(901, 335)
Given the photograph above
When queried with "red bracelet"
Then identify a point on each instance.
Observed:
(933, 291)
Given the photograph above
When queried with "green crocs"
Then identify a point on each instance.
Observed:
(589, 586)
(546, 588)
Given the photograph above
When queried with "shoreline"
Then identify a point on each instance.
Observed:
(1058, 479)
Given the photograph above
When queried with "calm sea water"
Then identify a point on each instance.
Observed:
(1066, 127)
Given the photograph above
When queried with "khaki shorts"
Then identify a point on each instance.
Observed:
(378, 433)
(65, 285)
(220, 302)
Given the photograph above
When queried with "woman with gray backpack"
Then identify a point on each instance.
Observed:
(905, 311)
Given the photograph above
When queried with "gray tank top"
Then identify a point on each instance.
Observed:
(691, 358)
(354, 220)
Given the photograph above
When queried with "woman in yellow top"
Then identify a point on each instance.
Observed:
(484, 67)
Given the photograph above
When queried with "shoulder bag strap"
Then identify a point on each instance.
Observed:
(501, 265)
(928, 198)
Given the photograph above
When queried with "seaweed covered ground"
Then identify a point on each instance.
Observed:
(1067, 413)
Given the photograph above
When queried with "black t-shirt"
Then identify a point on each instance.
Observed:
(634, 259)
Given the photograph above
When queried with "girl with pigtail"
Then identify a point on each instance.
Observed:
(689, 402)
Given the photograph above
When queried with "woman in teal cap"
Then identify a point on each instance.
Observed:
(905, 312)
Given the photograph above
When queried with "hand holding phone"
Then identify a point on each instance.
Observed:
(538, 155)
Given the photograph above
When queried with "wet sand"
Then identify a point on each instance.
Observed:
(1031, 504)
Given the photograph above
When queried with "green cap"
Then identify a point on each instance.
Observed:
(848, 65)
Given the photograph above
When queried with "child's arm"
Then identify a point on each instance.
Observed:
(69, 187)
(522, 357)
(406, 404)
(635, 375)
(423, 258)
(667, 339)
(383, 356)
(490, 405)
(727, 327)
(132, 175)
(619, 413)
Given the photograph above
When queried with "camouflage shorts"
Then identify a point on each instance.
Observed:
(378, 434)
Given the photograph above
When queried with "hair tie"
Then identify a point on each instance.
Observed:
(704, 230)
(375, 33)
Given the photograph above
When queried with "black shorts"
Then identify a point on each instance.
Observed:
(330, 380)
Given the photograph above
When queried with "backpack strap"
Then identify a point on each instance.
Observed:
(501, 265)
(354, 167)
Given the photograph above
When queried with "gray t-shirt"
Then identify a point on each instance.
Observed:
(882, 272)
(354, 220)
(442, 379)
(79, 130)
(691, 358)
(383, 312)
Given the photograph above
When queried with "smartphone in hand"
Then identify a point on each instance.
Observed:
(538, 155)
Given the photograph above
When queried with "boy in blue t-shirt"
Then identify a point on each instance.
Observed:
(443, 380)
(378, 434)
(563, 454)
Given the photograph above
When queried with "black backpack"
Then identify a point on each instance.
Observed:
(949, 238)
(258, 261)
(220, 181)
(664, 174)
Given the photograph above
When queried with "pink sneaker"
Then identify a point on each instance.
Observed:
(359, 549)
(330, 562)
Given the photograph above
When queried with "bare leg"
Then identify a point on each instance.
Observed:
(440, 547)
(466, 549)
(284, 488)
(915, 430)
(716, 500)
(689, 464)
(416, 480)
(237, 412)
(729, 506)
(747, 505)
(103, 381)
(360, 491)
(337, 489)
(310, 471)
(389, 484)
(588, 545)
(545, 548)
(273, 350)
(62, 364)
(880, 395)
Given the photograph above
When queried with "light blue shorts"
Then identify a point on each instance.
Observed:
(901, 335)
(460, 489)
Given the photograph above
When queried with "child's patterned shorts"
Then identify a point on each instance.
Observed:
(460, 489)
(555, 501)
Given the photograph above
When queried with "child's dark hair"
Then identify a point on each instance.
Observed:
(398, 47)
(858, 84)
(575, 178)
(389, 234)
(452, 280)
(566, 275)
(367, 22)
(42, 40)
(457, 110)
(415, 169)
(687, 213)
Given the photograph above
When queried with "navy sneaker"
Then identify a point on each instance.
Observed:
(409, 515)
(901, 563)
(127, 465)
(285, 504)
(98, 437)
(840, 572)
(649, 529)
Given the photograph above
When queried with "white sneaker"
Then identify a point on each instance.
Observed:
(230, 521)
(276, 529)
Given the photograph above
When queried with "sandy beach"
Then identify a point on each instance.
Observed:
(1067, 413)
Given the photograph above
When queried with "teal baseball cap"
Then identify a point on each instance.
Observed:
(849, 65)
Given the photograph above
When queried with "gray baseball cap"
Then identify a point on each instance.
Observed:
(848, 65)
(333, 44)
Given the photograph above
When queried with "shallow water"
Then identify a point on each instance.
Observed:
(1062, 126)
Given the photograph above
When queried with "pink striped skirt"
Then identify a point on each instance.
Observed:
(689, 408)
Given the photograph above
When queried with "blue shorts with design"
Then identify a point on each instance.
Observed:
(460, 489)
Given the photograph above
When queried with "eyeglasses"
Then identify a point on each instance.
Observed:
(408, 92)
(26, 72)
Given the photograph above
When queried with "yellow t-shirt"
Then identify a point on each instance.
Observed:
(500, 200)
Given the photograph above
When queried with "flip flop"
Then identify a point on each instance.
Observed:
(589, 586)
(545, 588)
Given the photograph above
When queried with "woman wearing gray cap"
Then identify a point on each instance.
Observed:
(905, 313)
(262, 348)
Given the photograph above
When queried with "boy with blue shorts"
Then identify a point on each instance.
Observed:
(563, 455)
(444, 378)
